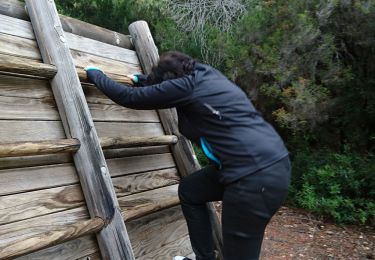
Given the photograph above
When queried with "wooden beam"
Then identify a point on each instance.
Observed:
(135, 141)
(72, 145)
(26, 67)
(89, 160)
(183, 152)
(16, 8)
(39, 147)
(28, 245)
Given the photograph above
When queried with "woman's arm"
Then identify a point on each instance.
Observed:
(169, 93)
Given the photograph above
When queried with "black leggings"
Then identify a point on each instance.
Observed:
(248, 205)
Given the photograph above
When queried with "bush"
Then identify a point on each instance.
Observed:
(339, 185)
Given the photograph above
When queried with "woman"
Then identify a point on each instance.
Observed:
(250, 170)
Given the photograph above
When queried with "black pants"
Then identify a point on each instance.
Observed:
(248, 205)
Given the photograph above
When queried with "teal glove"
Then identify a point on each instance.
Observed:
(92, 68)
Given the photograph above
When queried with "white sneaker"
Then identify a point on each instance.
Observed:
(180, 258)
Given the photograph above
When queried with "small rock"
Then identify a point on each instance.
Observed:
(329, 232)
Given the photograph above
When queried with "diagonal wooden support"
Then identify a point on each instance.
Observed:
(91, 166)
(183, 151)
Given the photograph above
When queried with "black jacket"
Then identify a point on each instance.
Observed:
(209, 106)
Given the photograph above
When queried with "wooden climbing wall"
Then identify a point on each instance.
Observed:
(42, 193)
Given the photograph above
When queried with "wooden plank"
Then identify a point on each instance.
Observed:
(31, 161)
(19, 131)
(40, 224)
(82, 44)
(15, 108)
(26, 67)
(52, 237)
(27, 88)
(152, 232)
(141, 204)
(94, 256)
(28, 179)
(183, 152)
(33, 178)
(82, 59)
(19, 47)
(114, 129)
(27, 205)
(39, 147)
(15, 8)
(179, 246)
(40, 160)
(17, 27)
(31, 99)
(74, 249)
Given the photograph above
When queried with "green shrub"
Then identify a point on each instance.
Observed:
(339, 185)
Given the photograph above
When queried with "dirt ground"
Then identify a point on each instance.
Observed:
(296, 234)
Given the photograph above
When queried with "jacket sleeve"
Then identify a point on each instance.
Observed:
(169, 93)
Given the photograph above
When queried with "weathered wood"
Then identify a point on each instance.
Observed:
(17, 131)
(179, 246)
(26, 66)
(138, 205)
(112, 129)
(41, 177)
(15, 8)
(25, 131)
(32, 99)
(109, 66)
(153, 231)
(27, 205)
(52, 237)
(20, 47)
(73, 249)
(89, 160)
(25, 229)
(38, 147)
(134, 141)
(182, 151)
(40, 160)
(82, 44)
(21, 28)
(94, 256)
(72, 145)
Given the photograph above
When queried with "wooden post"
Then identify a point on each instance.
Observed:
(182, 151)
(91, 166)
(16, 8)
(135, 141)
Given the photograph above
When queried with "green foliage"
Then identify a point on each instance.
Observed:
(339, 185)
(308, 67)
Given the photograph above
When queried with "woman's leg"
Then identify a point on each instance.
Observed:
(194, 191)
(248, 205)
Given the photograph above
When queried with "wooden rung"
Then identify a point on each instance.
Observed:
(39, 147)
(72, 145)
(24, 246)
(135, 141)
(27, 67)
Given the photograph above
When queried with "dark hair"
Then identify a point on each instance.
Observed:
(171, 65)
